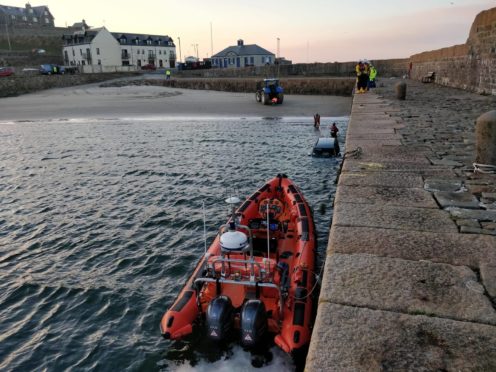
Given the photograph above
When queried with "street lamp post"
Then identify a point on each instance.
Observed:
(7, 32)
(195, 48)
(180, 56)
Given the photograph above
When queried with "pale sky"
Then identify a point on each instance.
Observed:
(309, 31)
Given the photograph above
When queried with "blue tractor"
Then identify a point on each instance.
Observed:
(269, 91)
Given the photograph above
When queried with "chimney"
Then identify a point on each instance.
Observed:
(240, 42)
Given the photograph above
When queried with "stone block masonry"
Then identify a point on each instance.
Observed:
(403, 287)
(315, 86)
(470, 66)
(16, 85)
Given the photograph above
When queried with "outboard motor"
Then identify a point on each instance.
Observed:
(253, 322)
(220, 318)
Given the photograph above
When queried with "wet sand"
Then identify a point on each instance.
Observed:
(92, 101)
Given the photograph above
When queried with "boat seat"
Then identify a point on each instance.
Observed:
(260, 246)
(275, 206)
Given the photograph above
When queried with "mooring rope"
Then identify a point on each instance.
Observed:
(354, 153)
(484, 168)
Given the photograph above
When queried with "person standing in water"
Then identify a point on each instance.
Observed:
(334, 130)
(316, 121)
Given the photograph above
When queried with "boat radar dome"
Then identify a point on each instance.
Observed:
(234, 241)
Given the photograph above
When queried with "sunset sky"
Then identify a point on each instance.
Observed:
(309, 31)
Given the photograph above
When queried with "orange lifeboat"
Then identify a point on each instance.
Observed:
(256, 279)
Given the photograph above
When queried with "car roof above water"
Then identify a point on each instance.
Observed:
(325, 143)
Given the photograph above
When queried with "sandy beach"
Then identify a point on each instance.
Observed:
(92, 101)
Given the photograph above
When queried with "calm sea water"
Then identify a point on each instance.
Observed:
(101, 223)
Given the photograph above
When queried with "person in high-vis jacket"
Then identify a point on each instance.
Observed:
(362, 71)
(372, 76)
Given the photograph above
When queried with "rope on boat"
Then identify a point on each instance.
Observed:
(317, 279)
(484, 168)
(354, 153)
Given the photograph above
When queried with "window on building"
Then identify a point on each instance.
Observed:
(252, 60)
(12, 16)
(83, 63)
(97, 51)
(142, 51)
(159, 52)
(80, 51)
(137, 52)
(47, 20)
(99, 61)
(24, 18)
(149, 42)
(246, 61)
(30, 11)
(73, 53)
(46, 12)
(35, 19)
(136, 41)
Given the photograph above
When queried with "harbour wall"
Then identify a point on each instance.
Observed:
(387, 68)
(317, 86)
(470, 66)
(21, 84)
(409, 280)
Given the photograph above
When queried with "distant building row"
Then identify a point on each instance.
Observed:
(29, 16)
(99, 47)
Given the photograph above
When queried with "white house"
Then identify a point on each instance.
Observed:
(106, 51)
(242, 55)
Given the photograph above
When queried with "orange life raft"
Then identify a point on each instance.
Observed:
(257, 277)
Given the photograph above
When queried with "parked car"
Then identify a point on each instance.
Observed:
(50, 68)
(149, 67)
(6, 71)
(38, 51)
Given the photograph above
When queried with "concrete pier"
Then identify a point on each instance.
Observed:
(405, 286)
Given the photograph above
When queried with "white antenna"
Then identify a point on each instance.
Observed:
(268, 235)
(204, 228)
(211, 41)
(233, 201)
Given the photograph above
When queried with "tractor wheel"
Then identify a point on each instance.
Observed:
(265, 99)
(280, 99)
(258, 96)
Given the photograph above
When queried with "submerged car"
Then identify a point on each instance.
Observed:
(326, 146)
(50, 68)
(269, 91)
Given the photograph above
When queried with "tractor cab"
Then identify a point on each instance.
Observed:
(269, 91)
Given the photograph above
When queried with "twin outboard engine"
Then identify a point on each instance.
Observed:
(253, 323)
(220, 318)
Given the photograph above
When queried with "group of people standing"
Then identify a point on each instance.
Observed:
(366, 75)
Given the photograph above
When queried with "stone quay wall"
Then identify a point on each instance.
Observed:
(18, 84)
(470, 66)
(317, 86)
(409, 280)
(386, 68)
